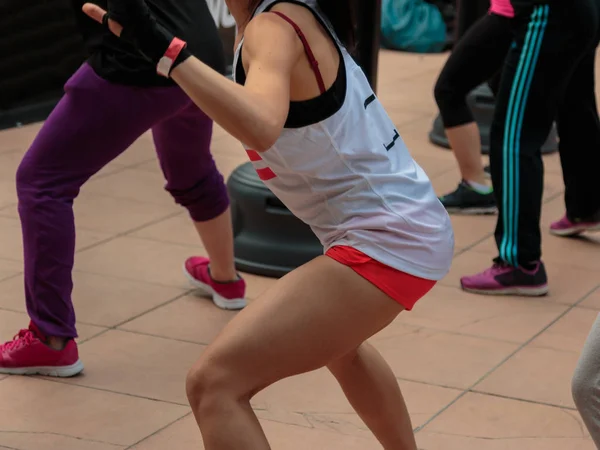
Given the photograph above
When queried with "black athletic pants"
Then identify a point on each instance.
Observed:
(477, 57)
(548, 74)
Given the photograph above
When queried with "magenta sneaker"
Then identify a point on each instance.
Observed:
(27, 354)
(503, 279)
(227, 295)
(564, 227)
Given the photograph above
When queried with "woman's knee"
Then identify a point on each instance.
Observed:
(27, 179)
(35, 182)
(452, 103)
(211, 384)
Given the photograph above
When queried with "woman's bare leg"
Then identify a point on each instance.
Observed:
(373, 391)
(217, 237)
(465, 142)
(312, 317)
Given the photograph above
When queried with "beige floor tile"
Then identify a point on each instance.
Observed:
(140, 151)
(19, 138)
(11, 322)
(134, 184)
(315, 399)
(470, 230)
(9, 161)
(9, 268)
(592, 301)
(543, 370)
(395, 66)
(139, 259)
(568, 283)
(569, 333)
(536, 374)
(508, 319)
(8, 193)
(185, 434)
(438, 357)
(552, 164)
(152, 262)
(136, 364)
(481, 422)
(11, 244)
(115, 215)
(99, 300)
(55, 416)
(189, 318)
(177, 230)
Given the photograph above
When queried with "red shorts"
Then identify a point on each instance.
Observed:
(404, 288)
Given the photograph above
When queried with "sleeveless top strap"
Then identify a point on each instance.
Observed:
(310, 55)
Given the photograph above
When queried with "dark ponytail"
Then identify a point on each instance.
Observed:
(342, 16)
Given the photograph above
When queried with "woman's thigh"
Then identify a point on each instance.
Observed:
(312, 316)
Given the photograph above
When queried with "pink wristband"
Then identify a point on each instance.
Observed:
(166, 62)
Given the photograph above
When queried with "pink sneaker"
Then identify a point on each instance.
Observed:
(27, 354)
(227, 295)
(503, 279)
(564, 227)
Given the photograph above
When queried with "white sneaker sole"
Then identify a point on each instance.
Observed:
(219, 300)
(61, 372)
(522, 291)
(574, 231)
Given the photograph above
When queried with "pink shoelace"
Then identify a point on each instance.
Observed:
(497, 267)
(23, 338)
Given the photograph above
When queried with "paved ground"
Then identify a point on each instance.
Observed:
(478, 373)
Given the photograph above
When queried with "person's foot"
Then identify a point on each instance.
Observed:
(503, 279)
(226, 295)
(566, 227)
(467, 200)
(29, 354)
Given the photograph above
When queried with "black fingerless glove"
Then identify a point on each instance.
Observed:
(141, 29)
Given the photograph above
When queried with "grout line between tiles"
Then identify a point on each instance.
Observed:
(99, 389)
(158, 336)
(525, 400)
(159, 430)
(125, 233)
(428, 383)
(154, 308)
(503, 361)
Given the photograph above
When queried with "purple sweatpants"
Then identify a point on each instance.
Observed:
(93, 124)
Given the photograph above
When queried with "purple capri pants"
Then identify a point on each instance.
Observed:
(95, 122)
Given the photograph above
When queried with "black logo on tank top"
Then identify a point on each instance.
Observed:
(388, 146)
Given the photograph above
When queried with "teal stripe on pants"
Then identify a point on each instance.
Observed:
(512, 132)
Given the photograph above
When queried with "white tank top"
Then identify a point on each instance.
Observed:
(351, 178)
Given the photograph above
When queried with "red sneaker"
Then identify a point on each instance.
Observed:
(27, 354)
(226, 295)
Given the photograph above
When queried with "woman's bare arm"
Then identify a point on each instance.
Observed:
(256, 112)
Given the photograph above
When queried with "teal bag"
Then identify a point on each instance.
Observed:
(413, 26)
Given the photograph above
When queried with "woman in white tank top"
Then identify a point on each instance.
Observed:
(322, 142)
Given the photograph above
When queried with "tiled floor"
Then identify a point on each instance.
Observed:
(478, 373)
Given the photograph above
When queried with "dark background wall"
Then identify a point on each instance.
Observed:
(40, 48)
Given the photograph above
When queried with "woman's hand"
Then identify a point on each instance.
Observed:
(133, 22)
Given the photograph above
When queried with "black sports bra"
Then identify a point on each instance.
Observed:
(308, 112)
